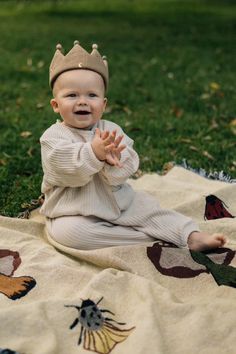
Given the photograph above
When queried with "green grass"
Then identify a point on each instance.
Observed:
(164, 59)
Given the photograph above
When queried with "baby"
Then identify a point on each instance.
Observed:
(86, 163)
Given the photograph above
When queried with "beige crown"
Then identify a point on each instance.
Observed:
(78, 58)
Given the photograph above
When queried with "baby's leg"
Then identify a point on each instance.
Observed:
(87, 233)
(146, 215)
(200, 241)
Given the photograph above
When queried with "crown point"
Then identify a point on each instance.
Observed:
(104, 57)
(95, 46)
(76, 42)
(59, 46)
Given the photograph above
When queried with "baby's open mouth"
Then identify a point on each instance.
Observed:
(82, 112)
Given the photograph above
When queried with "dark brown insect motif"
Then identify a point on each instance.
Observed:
(215, 208)
(97, 332)
(13, 287)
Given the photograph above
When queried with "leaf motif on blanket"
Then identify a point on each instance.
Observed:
(223, 274)
(13, 287)
(97, 332)
(181, 263)
(215, 208)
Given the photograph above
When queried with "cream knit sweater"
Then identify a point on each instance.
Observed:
(75, 182)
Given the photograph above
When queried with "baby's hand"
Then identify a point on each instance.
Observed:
(114, 154)
(102, 144)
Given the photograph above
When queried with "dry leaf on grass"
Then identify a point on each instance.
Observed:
(214, 86)
(25, 134)
(194, 148)
(208, 155)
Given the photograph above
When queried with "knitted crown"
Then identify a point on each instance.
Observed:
(78, 58)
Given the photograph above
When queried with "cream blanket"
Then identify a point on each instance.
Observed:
(145, 299)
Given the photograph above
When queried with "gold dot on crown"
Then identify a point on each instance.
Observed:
(95, 46)
(76, 42)
(59, 46)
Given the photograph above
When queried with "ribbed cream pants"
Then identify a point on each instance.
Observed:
(143, 221)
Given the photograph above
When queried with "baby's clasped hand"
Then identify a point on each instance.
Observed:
(106, 146)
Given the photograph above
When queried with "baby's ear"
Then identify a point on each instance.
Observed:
(54, 105)
(104, 104)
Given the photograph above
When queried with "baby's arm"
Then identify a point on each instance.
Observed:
(68, 164)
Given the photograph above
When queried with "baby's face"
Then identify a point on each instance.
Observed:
(79, 98)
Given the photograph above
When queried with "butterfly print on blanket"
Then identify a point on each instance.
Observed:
(215, 208)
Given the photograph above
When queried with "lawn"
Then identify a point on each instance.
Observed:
(172, 81)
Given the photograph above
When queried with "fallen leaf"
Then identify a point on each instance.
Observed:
(207, 137)
(173, 152)
(185, 140)
(3, 162)
(127, 110)
(40, 64)
(30, 151)
(40, 105)
(177, 112)
(233, 122)
(214, 124)
(232, 125)
(25, 85)
(19, 101)
(205, 96)
(29, 61)
(145, 158)
(170, 76)
(214, 86)
(25, 134)
(127, 123)
(208, 155)
(167, 167)
(194, 148)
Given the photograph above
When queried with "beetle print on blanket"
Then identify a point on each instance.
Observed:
(13, 287)
(97, 332)
(172, 261)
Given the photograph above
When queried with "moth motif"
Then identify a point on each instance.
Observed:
(215, 208)
(97, 332)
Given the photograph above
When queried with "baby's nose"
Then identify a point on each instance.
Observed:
(81, 100)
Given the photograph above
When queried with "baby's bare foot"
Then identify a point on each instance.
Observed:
(200, 241)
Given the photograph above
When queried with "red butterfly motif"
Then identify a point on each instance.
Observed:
(215, 208)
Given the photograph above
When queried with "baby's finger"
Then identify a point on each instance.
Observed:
(105, 134)
(121, 148)
(109, 147)
(118, 163)
(118, 140)
(109, 139)
(97, 132)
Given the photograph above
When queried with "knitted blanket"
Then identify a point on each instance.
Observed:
(151, 298)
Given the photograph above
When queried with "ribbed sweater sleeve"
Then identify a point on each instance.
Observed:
(68, 164)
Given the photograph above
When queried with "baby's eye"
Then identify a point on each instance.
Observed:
(92, 95)
(71, 95)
